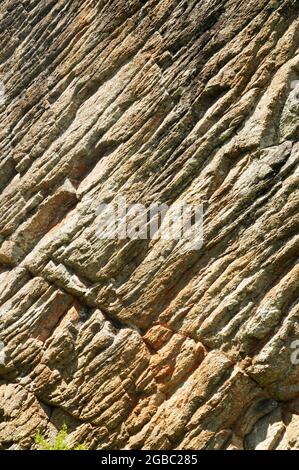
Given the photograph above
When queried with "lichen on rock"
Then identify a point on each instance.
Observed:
(140, 343)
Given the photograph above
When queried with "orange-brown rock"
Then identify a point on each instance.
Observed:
(143, 344)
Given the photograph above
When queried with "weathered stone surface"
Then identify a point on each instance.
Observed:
(140, 344)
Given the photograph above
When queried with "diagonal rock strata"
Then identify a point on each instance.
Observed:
(142, 344)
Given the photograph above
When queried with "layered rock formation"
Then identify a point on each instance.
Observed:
(141, 344)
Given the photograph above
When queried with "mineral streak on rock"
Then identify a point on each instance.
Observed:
(133, 343)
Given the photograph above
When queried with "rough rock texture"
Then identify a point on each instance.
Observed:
(138, 344)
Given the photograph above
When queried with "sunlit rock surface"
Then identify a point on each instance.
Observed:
(140, 344)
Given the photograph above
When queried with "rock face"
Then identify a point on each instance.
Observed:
(140, 344)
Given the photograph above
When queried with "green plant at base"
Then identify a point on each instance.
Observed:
(59, 443)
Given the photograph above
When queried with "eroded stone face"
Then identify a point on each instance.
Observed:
(140, 344)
